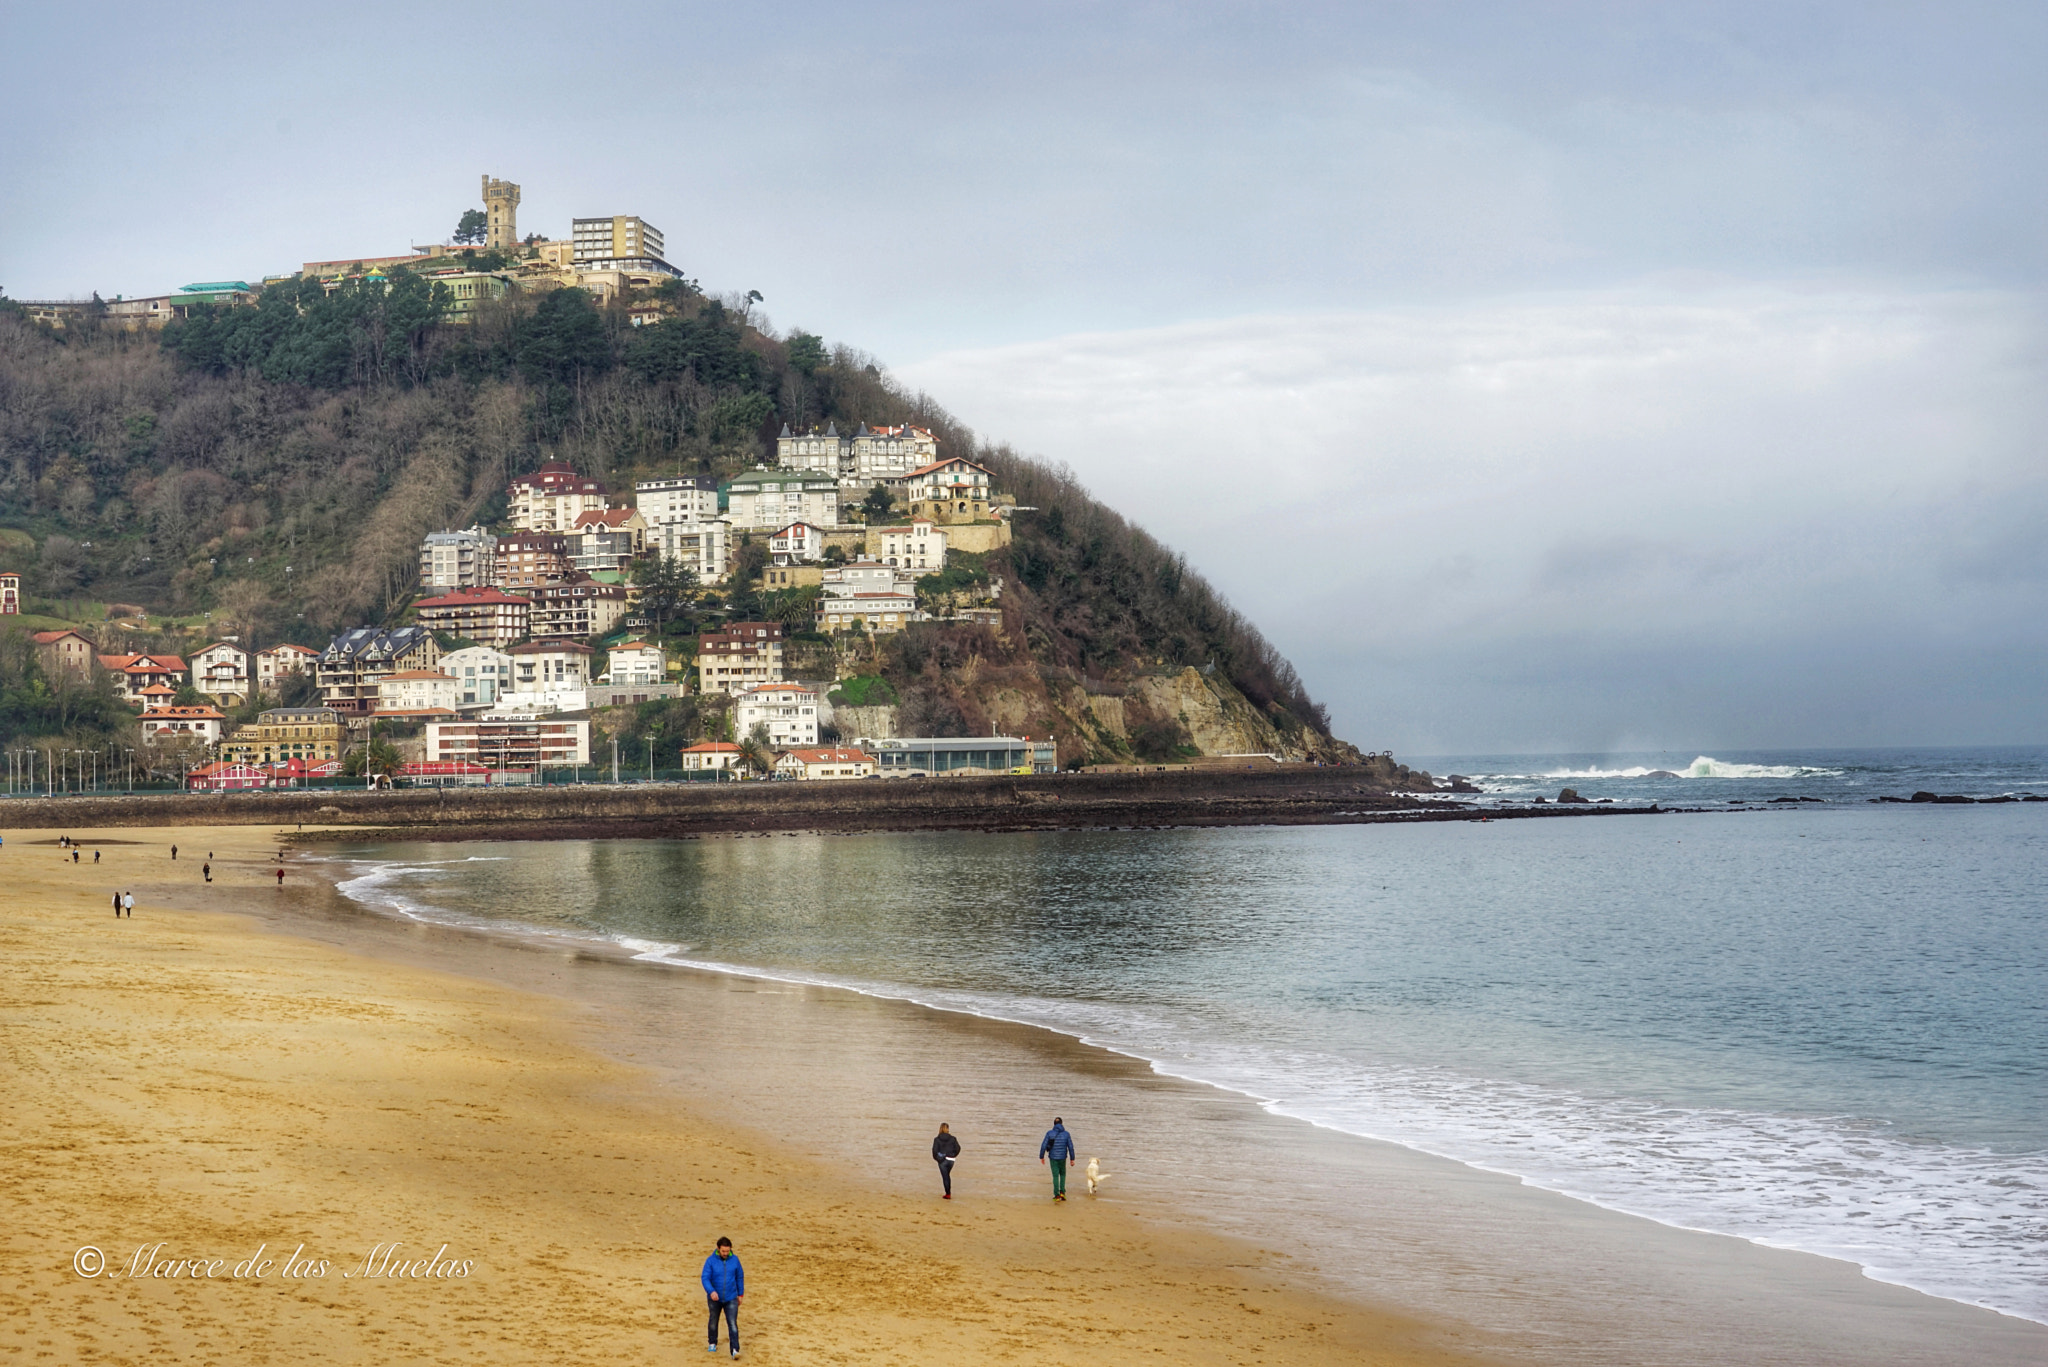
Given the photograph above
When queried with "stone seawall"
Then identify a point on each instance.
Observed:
(1173, 798)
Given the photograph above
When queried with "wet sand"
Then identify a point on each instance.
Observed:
(191, 1080)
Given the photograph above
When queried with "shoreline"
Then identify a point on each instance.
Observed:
(666, 811)
(1817, 1295)
(283, 1088)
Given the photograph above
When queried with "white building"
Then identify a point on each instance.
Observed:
(789, 711)
(868, 575)
(711, 754)
(952, 490)
(872, 455)
(526, 743)
(920, 546)
(703, 548)
(221, 672)
(457, 560)
(417, 690)
(797, 544)
(274, 664)
(166, 724)
(550, 666)
(825, 452)
(834, 763)
(636, 662)
(481, 675)
(687, 498)
(764, 499)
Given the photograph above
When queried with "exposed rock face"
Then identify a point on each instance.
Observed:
(1460, 784)
(864, 721)
(1571, 795)
(1216, 724)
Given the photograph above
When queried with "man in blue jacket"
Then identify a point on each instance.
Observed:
(725, 1285)
(1057, 1145)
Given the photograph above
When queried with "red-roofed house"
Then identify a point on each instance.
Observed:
(485, 615)
(833, 763)
(950, 490)
(222, 778)
(63, 652)
(711, 754)
(800, 543)
(133, 673)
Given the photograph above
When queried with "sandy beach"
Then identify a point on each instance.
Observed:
(190, 1092)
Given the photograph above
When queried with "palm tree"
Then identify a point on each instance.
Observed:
(754, 754)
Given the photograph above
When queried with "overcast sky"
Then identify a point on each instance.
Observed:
(1541, 376)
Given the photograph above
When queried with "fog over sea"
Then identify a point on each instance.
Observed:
(1820, 1026)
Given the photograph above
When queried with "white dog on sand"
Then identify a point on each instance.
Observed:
(1094, 1175)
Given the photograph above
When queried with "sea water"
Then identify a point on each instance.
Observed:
(1816, 1026)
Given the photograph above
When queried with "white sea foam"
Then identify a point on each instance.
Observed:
(1965, 1224)
(1705, 766)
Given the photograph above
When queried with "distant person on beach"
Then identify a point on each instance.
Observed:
(117, 906)
(945, 1149)
(74, 856)
(128, 904)
(1058, 1145)
(207, 869)
(95, 856)
(725, 1286)
(280, 877)
(174, 854)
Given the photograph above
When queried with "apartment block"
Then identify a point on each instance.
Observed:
(741, 656)
(457, 560)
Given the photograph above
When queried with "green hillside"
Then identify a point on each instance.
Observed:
(269, 472)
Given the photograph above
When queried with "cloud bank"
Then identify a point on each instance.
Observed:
(1660, 517)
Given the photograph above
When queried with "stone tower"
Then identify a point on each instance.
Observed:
(501, 212)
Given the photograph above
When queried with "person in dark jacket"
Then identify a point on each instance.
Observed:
(1058, 1145)
(944, 1150)
(725, 1285)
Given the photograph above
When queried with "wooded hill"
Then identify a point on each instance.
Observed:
(269, 471)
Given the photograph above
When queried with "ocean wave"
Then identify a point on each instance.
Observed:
(1950, 1222)
(1705, 766)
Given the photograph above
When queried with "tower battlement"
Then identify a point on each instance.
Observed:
(501, 212)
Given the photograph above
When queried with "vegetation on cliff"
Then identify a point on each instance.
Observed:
(269, 472)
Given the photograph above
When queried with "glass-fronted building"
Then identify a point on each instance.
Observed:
(924, 756)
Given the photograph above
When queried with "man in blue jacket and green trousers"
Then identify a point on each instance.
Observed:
(725, 1283)
(1057, 1145)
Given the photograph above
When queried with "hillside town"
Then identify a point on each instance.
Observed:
(702, 613)
(519, 632)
